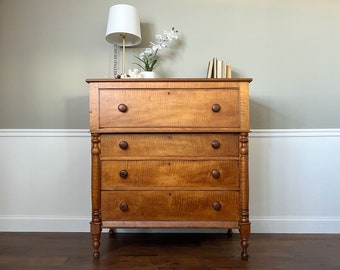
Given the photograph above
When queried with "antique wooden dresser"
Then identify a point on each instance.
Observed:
(169, 153)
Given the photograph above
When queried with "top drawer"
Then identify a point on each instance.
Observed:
(169, 105)
(167, 108)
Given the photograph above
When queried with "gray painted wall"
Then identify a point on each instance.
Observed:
(289, 47)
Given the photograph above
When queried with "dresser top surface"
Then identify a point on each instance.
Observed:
(112, 80)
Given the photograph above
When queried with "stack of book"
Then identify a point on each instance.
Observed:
(218, 69)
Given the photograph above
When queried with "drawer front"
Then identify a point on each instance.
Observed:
(165, 108)
(170, 145)
(170, 174)
(170, 205)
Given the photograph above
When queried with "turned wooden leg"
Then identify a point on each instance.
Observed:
(244, 235)
(95, 245)
(111, 231)
(96, 230)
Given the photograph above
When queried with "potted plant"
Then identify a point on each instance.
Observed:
(148, 59)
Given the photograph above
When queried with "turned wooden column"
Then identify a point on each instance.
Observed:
(96, 215)
(244, 195)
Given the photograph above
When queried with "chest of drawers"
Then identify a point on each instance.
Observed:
(169, 153)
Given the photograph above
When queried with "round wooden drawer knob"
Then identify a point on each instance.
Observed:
(217, 206)
(215, 173)
(216, 108)
(123, 145)
(215, 144)
(123, 173)
(123, 206)
(122, 108)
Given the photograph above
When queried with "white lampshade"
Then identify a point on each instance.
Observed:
(123, 20)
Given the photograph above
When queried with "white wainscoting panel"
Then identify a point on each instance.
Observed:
(45, 180)
(294, 180)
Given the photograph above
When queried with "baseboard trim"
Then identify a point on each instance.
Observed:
(295, 225)
(313, 225)
(44, 224)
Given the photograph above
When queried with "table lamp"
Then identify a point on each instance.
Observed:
(123, 28)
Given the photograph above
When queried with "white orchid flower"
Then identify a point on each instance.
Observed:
(149, 57)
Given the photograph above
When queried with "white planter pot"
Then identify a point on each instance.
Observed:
(148, 74)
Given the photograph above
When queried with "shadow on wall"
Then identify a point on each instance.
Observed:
(148, 34)
(77, 112)
(266, 113)
(260, 115)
